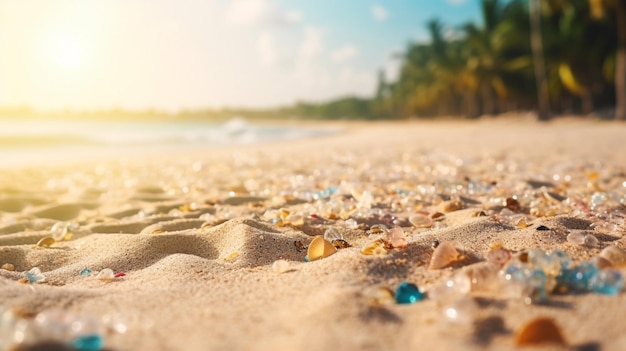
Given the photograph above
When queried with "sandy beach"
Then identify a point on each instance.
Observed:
(193, 239)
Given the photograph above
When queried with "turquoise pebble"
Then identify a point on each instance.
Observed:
(86, 271)
(31, 277)
(408, 293)
(607, 282)
(88, 343)
(306, 258)
(538, 281)
(579, 278)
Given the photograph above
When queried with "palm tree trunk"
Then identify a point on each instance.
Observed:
(620, 71)
(536, 44)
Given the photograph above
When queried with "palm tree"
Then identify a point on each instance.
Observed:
(543, 101)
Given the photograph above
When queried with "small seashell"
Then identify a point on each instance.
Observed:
(340, 244)
(231, 257)
(396, 238)
(421, 221)
(538, 331)
(376, 247)
(46, 242)
(451, 205)
(320, 248)
(105, 275)
(8, 267)
(615, 255)
(444, 255)
(438, 216)
(521, 224)
(280, 266)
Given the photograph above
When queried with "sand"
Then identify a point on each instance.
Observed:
(196, 234)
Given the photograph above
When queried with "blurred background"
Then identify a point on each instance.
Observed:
(210, 61)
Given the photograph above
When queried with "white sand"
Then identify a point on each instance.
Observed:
(195, 284)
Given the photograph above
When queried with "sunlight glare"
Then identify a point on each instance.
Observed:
(67, 51)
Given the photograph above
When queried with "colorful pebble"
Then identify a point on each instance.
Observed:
(408, 293)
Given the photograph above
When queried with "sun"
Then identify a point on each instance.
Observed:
(66, 51)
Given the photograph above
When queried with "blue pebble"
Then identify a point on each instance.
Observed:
(88, 343)
(562, 258)
(31, 277)
(306, 258)
(538, 281)
(580, 277)
(608, 282)
(408, 293)
(85, 271)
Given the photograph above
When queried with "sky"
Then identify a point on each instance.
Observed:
(190, 54)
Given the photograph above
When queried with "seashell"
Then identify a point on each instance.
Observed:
(231, 257)
(522, 223)
(320, 248)
(421, 221)
(538, 331)
(46, 242)
(615, 255)
(396, 238)
(8, 267)
(451, 205)
(438, 216)
(444, 255)
(376, 247)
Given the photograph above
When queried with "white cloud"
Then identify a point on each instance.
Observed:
(245, 13)
(267, 49)
(379, 13)
(456, 2)
(344, 54)
(313, 43)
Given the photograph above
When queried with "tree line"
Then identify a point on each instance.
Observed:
(552, 56)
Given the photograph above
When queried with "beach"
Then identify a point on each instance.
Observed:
(192, 237)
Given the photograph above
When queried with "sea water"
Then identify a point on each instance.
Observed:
(42, 142)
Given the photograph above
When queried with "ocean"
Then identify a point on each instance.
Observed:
(44, 142)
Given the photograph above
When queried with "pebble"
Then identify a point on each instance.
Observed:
(85, 271)
(396, 238)
(540, 330)
(88, 343)
(280, 266)
(576, 238)
(59, 230)
(607, 282)
(408, 293)
(421, 221)
(8, 267)
(590, 240)
(35, 276)
(461, 311)
(106, 275)
(615, 255)
(444, 255)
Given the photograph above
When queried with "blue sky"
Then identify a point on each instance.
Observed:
(172, 55)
